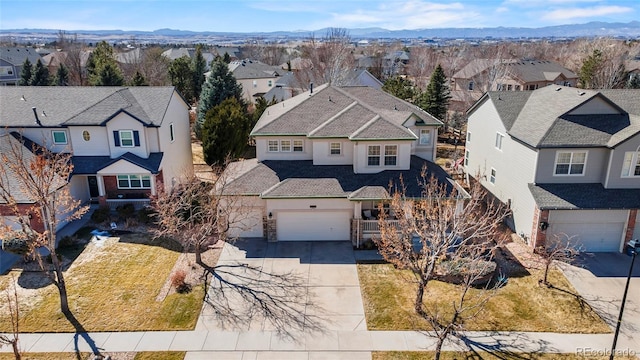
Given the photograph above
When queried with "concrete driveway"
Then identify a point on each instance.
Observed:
(294, 287)
(600, 278)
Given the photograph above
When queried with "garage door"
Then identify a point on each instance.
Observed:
(247, 225)
(595, 231)
(313, 226)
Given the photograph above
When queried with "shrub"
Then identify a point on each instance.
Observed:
(145, 215)
(125, 211)
(178, 281)
(101, 215)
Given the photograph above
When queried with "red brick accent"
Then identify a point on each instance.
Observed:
(159, 182)
(111, 188)
(538, 236)
(631, 224)
(25, 209)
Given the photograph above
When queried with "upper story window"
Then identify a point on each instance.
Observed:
(273, 146)
(466, 157)
(468, 136)
(270, 83)
(298, 145)
(285, 145)
(172, 135)
(492, 178)
(335, 148)
(59, 137)
(631, 164)
(373, 155)
(391, 155)
(570, 162)
(425, 137)
(134, 182)
(517, 88)
(499, 138)
(470, 85)
(86, 136)
(126, 138)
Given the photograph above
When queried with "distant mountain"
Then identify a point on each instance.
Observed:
(591, 29)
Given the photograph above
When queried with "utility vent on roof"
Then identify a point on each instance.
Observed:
(580, 93)
(558, 89)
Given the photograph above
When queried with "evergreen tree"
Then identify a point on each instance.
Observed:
(40, 76)
(219, 86)
(62, 76)
(400, 87)
(589, 69)
(102, 67)
(139, 80)
(261, 105)
(198, 68)
(436, 99)
(26, 73)
(226, 58)
(634, 81)
(180, 75)
(225, 131)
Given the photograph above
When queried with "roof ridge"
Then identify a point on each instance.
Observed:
(331, 119)
(115, 92)
(365, 126)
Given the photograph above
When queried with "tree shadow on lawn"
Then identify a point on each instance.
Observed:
(512, 346)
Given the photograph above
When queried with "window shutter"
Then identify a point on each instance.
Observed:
(136, 138)
(116, 137)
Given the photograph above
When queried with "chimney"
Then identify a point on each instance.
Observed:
(35, 113)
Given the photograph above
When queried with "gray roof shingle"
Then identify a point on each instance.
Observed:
(87, 165)
(583, 196)
(305, 188)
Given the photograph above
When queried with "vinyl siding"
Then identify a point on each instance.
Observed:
(262, 152)
(322, 155)
(596, 165)
(616, 181)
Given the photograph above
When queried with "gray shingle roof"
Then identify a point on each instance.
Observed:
(342, 112)
(88, 165)
(258, 178)
(17, 55)
(68, 106)
(583, 196)
(252, 69)
(544, 118)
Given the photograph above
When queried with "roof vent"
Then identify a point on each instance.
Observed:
(558, 88)
(23, 98)
(35, 113)
(580, 93)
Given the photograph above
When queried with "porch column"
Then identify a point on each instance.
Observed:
(153, 185)
(102, 199)
(357, 210)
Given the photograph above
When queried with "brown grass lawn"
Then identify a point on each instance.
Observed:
(521, 305)
(148, 355)
(113, 288)
(450, 355)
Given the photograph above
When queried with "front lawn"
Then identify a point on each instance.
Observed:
(520, 305)
(113, 287)
(455, 355)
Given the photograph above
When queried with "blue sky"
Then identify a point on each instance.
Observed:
(273, 15)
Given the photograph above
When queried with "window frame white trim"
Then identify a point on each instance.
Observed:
(172, 134)
(466, 157)
(634, 163)
(468, 138)
(369, 156)
(133, 141)
(53, 137)
(277, 146)
(498, 144)
(584, 165)
(293, 145)
(430, 142)
(385, 156)
(339, 153)
(282, 145)
(140, 176)
(493, 174)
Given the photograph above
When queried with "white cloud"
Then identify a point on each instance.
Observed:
(590, 12)
(502, 9)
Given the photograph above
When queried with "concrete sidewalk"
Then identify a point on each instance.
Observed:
(328, 345)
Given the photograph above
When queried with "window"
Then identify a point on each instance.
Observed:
(126, 138)
(298, 146)
(255, 83)
(171, 133)
(570, 163)
(470, 85)
(59, 137)
(631, 164)
(373, 155)
(425, 137)
(86, 136)
(499, 138)
(270, 83)
(492, 178)
(509, 87)
(134, 182)
(466, 158)
(335, 148)
(273, 146)
(285, 145)
(517, 87)
(390, 155)
(468, 136)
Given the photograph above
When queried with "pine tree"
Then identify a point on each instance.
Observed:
(26, 73)
(226, 58)
(400, 87)
(591, 65)
(436, 99)
(225, 131)
(139, 80)
(102, 67)
(181, 77)
(62, 76)
(220, 85)
(40, 76)
(198, 68)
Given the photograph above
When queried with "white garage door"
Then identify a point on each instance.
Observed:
(594, 230)
(313, 226)
(249, 224)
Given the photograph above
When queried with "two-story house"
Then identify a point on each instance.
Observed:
(11, 60)
(126, 142)
(256, 78)
(326, 159)
(566, 160)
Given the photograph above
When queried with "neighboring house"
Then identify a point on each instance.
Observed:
(126, 142)
(482, 75)
(256, 78)
(566, 160)
(325, 160)
(11, 60)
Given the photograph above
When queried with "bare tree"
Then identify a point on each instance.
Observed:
(13, 310)
(331, 57)
(444, 235)
(559, 248)
(155, 67)
(32, 172)
(75, 61)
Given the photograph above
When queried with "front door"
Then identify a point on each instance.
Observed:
(93, 186)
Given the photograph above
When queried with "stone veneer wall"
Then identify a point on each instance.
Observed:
(270, 231)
